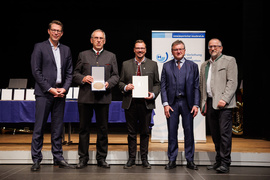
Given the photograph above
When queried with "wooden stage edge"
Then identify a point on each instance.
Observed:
(16, 149)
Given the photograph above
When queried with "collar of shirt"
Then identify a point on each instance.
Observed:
(139, 63)
(211, 61)
(97, 51)
(53, 45)
(182, 61)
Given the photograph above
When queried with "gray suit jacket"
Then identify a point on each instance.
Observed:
(148, 68)
(223, 81)
(86, 60)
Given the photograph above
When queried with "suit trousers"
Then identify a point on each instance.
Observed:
(220, 124)
(85, 115)
(44, 106)
(180, 107)
(138, 112)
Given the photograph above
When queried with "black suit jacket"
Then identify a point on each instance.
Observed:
(86, 60)
(44, 67)
(148, 68)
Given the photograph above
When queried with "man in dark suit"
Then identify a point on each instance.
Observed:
(51, 64)
(99, 101)
(180, 94)
(139, 109)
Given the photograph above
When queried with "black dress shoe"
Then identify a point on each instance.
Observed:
(170, 165)
(36, 166)
(146, 164)
(223, 169)
(130, 164)
(192, 165)
(82, 164)
(64, 164)
(214, 166)
(103, 163)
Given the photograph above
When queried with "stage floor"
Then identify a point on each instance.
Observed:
(250, 152)
(118, 142)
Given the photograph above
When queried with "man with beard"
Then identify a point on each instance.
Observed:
(139, 109)
(218, 83)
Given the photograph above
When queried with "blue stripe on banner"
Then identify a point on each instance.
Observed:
(158, 34)
(188, 35)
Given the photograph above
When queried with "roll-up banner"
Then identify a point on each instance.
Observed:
(161, 53)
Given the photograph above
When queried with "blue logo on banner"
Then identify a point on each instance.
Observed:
(161, 58)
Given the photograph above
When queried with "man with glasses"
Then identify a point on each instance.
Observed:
(139, 109)
(90, 100)
(180, 95)
(218, 83)
(51, 64)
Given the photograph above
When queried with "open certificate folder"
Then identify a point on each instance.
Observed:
(140, 84)
(98, 73)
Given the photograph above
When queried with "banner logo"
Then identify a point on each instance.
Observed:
(162, 59)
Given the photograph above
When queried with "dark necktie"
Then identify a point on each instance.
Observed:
(139, 69)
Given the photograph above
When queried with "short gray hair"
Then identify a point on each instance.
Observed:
(98, 30)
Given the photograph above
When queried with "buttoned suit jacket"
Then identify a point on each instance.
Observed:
(168, 83)
(44, 68)
(86, 60)
(223, 82)
(148, 68)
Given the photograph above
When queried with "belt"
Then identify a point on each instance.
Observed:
(180, 96)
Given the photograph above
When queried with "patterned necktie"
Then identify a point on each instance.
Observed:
(179, 66)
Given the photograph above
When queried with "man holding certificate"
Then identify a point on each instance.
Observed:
(96, 72)
(140, 85)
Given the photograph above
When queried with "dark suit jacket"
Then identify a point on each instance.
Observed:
(148, 68)
(44, 67)
(86, 60)
(168, 83)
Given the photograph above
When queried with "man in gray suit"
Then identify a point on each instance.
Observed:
(139, 109)
(99, 101)
(218, 83)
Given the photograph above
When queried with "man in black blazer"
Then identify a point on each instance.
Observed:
(99, 101)
(139, 109)
(51, 64)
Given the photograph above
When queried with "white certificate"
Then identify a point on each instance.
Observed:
(140, 84)
(98, 73)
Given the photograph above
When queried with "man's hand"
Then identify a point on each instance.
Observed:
(129, 87)
(150, 96)
(194, 110)
(106, 84)
(221, 104)
(167, 110)
(59, 92)
(88, 79)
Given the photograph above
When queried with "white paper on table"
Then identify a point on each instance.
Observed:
(98, 74)
(70, 93)
(75, 92)
(140, 84)
(19, 94)
(30, 95)
(6, 94)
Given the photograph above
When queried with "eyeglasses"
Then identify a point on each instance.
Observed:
(181, 49)
(138, 48)
(96, 38)
(56, 31)
(214, 46)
